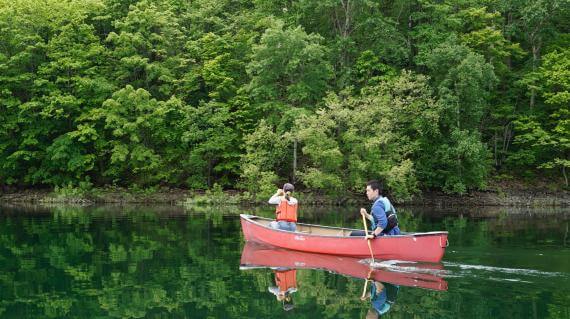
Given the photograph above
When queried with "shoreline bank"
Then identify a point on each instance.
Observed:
(492, 198)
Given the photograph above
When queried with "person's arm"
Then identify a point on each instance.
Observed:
(274, 290)
(379, 214)
(379, 287)
(276, 198)
(363, 212)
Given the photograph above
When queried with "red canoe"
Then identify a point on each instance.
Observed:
(404, 274)
(428, 247)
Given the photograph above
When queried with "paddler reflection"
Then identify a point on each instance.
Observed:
(381, 284)
(382, 296)
(285, 286)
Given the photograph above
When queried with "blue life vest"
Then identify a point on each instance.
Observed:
(390, 212)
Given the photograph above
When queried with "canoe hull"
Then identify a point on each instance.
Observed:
(426, 247)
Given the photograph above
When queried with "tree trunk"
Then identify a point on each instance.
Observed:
(566, 234)
(565, 176)
(343, 25)
(536, 42)
(509, 38)
(411, 41)
(495, 150)
(294, 160)
(209, 181)
(507, 136)
(458, 111)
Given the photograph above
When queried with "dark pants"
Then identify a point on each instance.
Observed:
(358, 233)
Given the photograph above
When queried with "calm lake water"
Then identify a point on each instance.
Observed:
(169, 262)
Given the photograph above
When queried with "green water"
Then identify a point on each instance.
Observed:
(167, 262)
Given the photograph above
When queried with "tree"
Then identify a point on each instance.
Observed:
(536, 20)
(464, 81)
(288, 67)
(265, 151)
(546, 136)
(53, 70)
(129, 144)
(378, 134)
(146, 48)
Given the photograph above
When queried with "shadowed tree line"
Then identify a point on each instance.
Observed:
(423, 94)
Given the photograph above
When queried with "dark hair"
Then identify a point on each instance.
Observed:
(288, 302)
(288, 188)
(375, 185)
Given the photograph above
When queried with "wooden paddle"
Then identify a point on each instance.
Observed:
(366, 284)
(367, 239)
(364, 290)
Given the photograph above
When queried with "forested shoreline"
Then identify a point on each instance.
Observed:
(425, 95)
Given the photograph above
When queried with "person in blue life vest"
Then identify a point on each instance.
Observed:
(382, 297)
(382, 213)
(286, 209)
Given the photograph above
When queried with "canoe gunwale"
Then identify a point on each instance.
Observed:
(251, 219)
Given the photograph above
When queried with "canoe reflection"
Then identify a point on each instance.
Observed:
(422, 275)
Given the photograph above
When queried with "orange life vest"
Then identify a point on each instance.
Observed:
(286, 279)
(286, 211)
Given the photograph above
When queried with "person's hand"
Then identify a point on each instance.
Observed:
(379, 286)
(369, 236)
(280, 192)
(363, 212)
(365, 296)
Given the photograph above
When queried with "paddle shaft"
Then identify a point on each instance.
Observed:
(364, 290)
(366, 234)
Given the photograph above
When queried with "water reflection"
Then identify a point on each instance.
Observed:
(385, 278)
(285, 286)
(167, 262)
(411, 274)
(382, 296)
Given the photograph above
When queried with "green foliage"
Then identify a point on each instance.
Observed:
(546, 137)
(145, 45)
(265, 151)
(190, 94)
(459, 161)
(70, 191)
(213, 197)
(289, 66)
(374, 135)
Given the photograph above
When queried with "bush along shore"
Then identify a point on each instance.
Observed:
(503, 195)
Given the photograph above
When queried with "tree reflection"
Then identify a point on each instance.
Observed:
(141, 262)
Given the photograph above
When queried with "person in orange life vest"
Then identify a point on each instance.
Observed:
(286, 210)
(285, 285)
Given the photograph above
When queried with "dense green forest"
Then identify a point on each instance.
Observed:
(247, 93)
